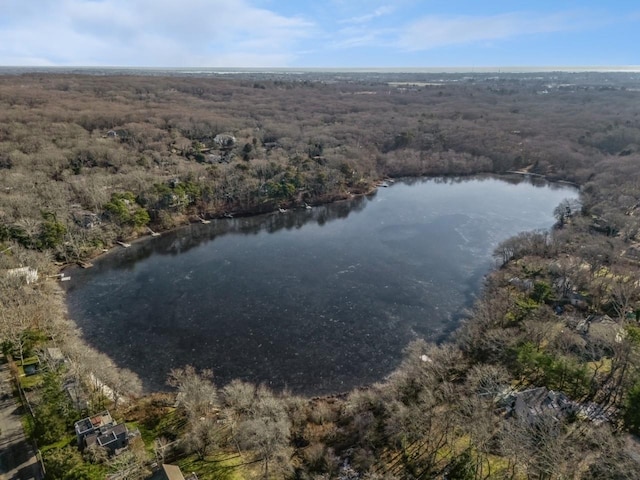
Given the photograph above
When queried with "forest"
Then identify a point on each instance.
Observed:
(542, 380)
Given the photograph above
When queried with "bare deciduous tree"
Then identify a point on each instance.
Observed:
(202, 436)
(565, 210)
(196, 392)
(261, 426)
(624, 293)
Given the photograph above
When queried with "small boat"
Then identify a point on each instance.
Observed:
(85, 264)
(282, 210)
(123, 244)
(202, 220)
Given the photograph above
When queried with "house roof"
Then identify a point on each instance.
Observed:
(83, 425)
(533, 402)
(28, 273)
(119, 429)
(55, 354)
(91, 440)
(94, 422)
(105, 437)
(172, 472)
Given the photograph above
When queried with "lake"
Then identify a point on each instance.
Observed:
(315, 300)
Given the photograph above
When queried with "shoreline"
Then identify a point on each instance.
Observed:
(371, 191)
(380, 183)
(195, 220)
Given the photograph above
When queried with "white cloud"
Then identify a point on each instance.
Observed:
(360, 36)
(148, 33)
(378, 12)
(438, 31)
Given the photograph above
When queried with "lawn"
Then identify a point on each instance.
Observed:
(225, 466)
(28, 373)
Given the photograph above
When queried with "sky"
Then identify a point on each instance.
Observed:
(319, 33)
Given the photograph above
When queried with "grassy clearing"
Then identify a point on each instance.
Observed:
(28, 382)
(28, 361)
(63, 442)
(216, 467)
(603, 366)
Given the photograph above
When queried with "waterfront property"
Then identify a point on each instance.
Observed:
(103, 431)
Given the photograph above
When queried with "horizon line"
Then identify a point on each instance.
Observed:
(394, 69)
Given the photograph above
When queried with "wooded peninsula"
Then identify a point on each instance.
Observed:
(542, 380)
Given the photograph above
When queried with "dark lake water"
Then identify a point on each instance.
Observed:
(317, 300)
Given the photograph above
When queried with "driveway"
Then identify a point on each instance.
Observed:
(17, 458)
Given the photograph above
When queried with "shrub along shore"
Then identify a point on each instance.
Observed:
(542, 378)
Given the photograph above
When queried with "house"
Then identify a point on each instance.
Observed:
(55, 355)
(632, 253)
(600, 225)
(604, 319)
(74, 392)
(529, 404)
(214, 158)
(30, 275)
(90, 425)
(172, 472)
(224, 140)
(533, 402)
(593, 412)
(86, 219)
(577, 300)
(525, 285)
(101, 430)
(113, 438)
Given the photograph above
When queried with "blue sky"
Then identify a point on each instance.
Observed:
(329, 33)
